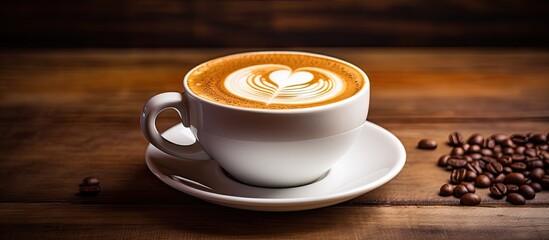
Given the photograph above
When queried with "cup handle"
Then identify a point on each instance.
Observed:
(157, 104)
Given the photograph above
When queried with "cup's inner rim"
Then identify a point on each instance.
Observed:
(365, 87)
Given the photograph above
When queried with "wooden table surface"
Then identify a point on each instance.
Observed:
(68, 114)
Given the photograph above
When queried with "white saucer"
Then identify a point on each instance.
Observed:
(374, 159)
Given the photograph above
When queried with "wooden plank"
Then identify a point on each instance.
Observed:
(169, 23)
(65, 221)
(47, 162)
(419, 85)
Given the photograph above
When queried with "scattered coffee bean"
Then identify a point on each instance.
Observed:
(427, 144)
(519, 139)
(455, 139)
(483, 181)
(538, 138)
(499, 178)
(516, 166)
(446, 190)
(460, 190)
(505, 160)
(514, 178)
(470, 187)
(89, 181)
(536, 186)
(537, 174)
(470, 176)
(457, 151)
(519, 166)
(527, 192)
(443, 160)
(89, 186)
(476, 139)
(499, 138)
(516, 199)
(474, 149)
(498, 190)
(458, 175)
(470, 199)
(457, 163)
(494, 167)
(489, 143)
(512, 188)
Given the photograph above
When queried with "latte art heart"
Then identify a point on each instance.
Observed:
(275, 83)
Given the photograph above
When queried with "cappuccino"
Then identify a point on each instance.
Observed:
(275, 80)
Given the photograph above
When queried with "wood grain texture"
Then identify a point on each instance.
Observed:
(68, 114)
(274, 23)
(166, 222)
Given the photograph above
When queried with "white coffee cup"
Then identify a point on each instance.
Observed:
(262, 147)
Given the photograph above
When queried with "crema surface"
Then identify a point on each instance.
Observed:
(268, 80)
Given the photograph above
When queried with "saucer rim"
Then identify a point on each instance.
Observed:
(229, 200)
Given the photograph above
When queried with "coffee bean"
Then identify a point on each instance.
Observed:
(427, 144)
(470, 176)
(518, 157)
(470, 199)
(458, 175)
(519, 139)
(474, 149)
(512, 188)
(526, 173)
(499, 178)
(508, 143)
(520, 150)
(465, 147)
(527, 192)
(498, 190)
(505, 160)
(508, 151)
(514, 178)
(538, 138)
(543, 147)
(527, 181)
(474, 167)
(534, 163)
(494, 167)
(483, 181)
(489, 143)
(486, 152)
(489, 175)
(498, 149)
(519, 166)
(529, 145)
(457, 151)
(475, 156)
(507, 170)
(460, 190)
(536, 186)
(89, 181)
(482, 164)
(516, 199)
(499, 138)
(470, 187)
(456, 162)
(89, 190)
(443, 160)
(476, 139)
(455, 139)
(537, 174)
(446, 190)
(531, 152)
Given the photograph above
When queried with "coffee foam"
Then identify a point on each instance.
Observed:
(275, 80)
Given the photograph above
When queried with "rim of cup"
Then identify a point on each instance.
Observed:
(363, 90)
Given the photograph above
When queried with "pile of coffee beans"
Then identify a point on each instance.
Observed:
(89, 186)
(513, 167)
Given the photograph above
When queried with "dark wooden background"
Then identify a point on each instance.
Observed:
(176, 23)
